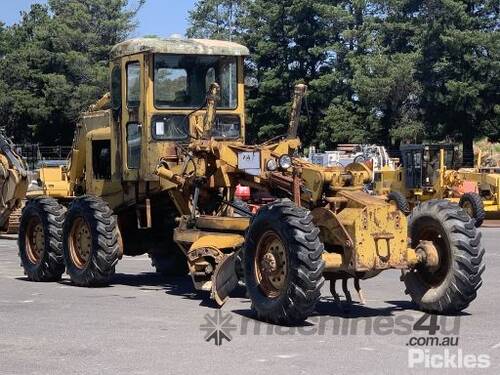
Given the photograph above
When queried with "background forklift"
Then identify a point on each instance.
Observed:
(428, 171)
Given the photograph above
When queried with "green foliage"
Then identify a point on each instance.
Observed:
(216, 19)
(290, 42)
(55, 63)
(342, 123)
(380, 71)
(460, 68)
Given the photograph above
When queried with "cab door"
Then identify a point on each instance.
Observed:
(132, 116)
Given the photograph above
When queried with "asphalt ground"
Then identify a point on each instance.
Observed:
(143, 324)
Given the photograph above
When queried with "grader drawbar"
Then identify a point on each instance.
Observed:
(158, 166)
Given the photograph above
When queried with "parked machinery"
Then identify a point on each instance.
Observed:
(373, 156)
(13, 185)
(428, 171)
(155, 167)
(484, 184)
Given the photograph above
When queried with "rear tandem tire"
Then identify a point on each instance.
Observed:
(169, 263)
(399, 201)
(473, 205)
(40, 239)
(90, 242)
(283, 265)
(453, 286)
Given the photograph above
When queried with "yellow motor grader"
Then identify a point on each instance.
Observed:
(485, 182)
(428, 171)
(158, 165)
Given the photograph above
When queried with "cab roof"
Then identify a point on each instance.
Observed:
(178, 46)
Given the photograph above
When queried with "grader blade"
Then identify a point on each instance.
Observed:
(224, 279)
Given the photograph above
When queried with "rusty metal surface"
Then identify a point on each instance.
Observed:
(331, 229)
(239, 224)
(178, 46)
(224, 279)
(379, 235)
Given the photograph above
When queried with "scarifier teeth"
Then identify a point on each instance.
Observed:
(361, 296)
(360, 291)
(335, 295)
(345, 289)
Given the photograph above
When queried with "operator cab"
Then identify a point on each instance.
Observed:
(159, 97)
(423, 162)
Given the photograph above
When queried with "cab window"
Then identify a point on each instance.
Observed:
(101, 159)
(133, 145)
(183, 81)
(133, 85)
(116, 88)
(171, 128)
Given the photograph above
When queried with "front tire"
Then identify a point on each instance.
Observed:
(40, 239)
(90, 242)
(283, 265)
(453, 285)
(473, 205)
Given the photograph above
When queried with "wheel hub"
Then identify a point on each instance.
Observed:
(434, 254)
(35, 240)
(80, 243)
(271, 264)
(428, 254)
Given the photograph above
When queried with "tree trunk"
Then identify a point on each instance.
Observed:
(468, 146)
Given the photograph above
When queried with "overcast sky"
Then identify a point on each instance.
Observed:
(159, 17)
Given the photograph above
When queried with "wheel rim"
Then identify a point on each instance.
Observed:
(271, 265)
(434, 278)
(80, 243)
(35, 240)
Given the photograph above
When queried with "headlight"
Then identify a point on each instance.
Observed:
(271, 165)
(285, 161)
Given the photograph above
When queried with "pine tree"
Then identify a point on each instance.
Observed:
(216, 19)
(460, 69)
(378, 71)
(290, 42)
(58, 64)
(4, 39)
(384, 69)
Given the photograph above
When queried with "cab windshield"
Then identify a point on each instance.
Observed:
(182, 81)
